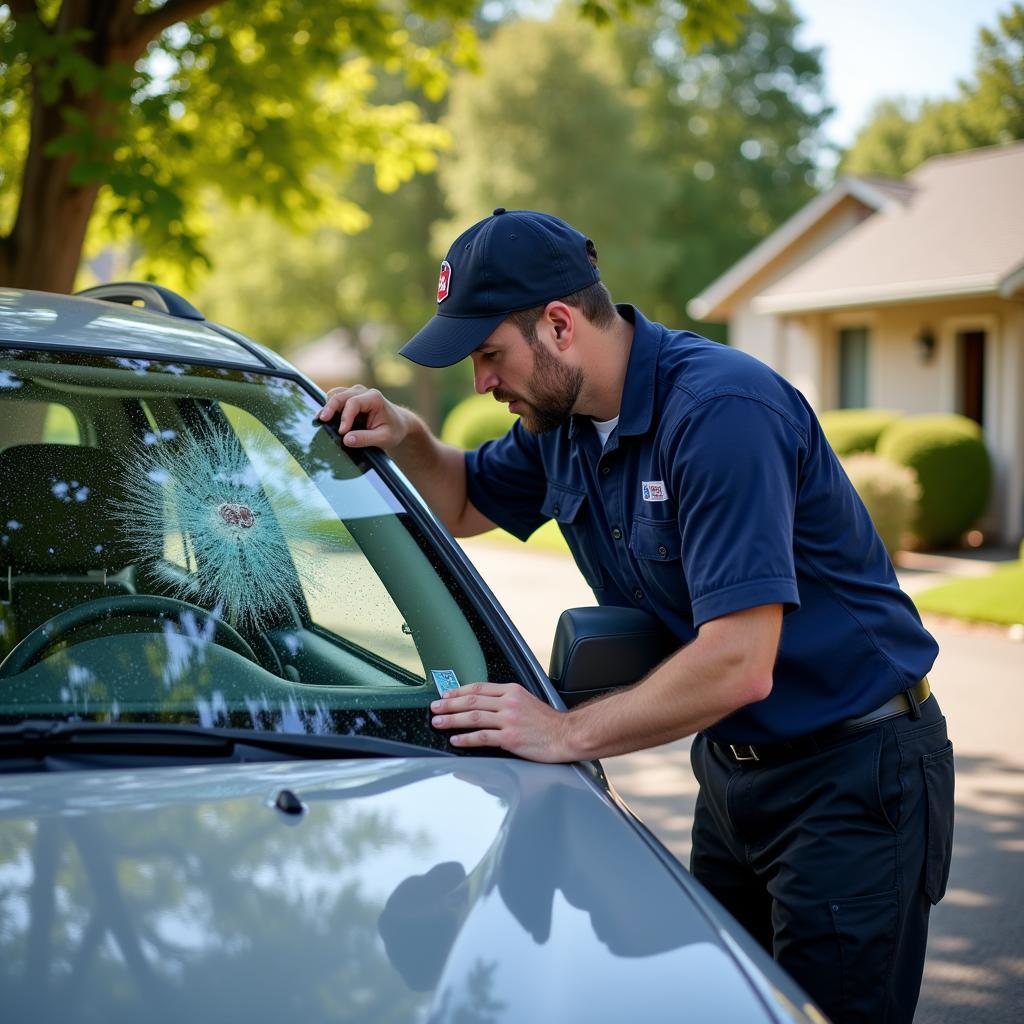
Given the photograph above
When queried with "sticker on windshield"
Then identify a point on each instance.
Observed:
(445, 679)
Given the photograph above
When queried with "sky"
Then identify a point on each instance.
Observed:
(885, 48)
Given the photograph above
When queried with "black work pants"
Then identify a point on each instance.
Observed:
(833, 860)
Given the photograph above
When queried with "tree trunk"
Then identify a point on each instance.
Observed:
(45, 246)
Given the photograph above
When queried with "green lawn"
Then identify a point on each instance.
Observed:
(995, 598)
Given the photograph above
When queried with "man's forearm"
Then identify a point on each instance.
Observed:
(437, 470)
(704, 682)
(728, 666)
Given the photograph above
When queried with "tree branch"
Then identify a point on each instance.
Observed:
(148, 26)
(23, 8)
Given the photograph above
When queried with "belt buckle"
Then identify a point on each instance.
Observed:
(750, 755)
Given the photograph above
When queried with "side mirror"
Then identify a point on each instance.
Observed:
(600, 649)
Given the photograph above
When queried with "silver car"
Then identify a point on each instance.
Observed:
(222, 798)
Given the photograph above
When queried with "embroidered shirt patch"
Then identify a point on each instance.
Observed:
(654, 490)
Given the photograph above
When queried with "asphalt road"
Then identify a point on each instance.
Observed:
(975, 968)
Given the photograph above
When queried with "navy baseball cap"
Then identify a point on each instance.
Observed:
(512, 260)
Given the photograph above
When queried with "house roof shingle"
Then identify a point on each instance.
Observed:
(958, 230)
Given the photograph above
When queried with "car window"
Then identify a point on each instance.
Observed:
(343, 594)
(39, 421)
(213, 554)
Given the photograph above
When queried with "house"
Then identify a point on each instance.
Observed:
(330, 361)
(901, 294)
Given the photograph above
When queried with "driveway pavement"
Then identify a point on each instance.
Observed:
(975, 967)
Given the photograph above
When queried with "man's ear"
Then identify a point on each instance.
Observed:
(563, 322)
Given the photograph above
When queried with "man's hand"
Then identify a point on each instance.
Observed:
(387, 425)
(437, 471)
(505, 715)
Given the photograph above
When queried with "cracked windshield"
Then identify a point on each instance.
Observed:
(187, 544)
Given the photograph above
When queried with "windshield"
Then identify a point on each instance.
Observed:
(187, 544)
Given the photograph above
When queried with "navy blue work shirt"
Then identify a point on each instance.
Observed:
(717, 492)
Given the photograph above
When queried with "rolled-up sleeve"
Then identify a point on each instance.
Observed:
(737, 470)
(505, 481)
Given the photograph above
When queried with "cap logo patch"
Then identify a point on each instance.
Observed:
(444, 281)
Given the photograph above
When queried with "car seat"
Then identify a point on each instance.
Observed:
(61, 543)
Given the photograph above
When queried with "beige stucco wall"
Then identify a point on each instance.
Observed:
(1011, 430)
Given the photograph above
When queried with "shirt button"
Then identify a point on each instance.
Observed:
(557, 509)
(605, 470)
(617, 534)
(638, 594)
(662, 550)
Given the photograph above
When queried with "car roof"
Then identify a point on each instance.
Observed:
(47, 320)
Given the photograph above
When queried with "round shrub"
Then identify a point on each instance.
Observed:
(474, 420)
(890, 493)
(953, 469)
(856, 430)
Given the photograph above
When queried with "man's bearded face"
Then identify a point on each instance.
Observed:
(553, 389)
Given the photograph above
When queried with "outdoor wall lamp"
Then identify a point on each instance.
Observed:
(925, 345)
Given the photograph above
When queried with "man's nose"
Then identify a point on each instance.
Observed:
(484, 381)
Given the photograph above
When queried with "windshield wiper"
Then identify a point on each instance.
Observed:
(43, 738)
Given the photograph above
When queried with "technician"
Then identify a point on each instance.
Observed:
(694, 482)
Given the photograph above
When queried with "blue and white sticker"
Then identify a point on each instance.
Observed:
(445, 679)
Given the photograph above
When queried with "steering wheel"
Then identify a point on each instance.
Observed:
(32, 647)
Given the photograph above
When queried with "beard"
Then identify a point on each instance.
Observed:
(554, 388)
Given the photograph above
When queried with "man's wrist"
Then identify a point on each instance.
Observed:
(413, 430)
(572, 736)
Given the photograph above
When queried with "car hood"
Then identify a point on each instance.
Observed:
(477, 890)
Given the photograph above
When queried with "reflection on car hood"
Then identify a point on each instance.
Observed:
(476, 890)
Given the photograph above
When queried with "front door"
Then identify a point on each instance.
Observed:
(970, 354)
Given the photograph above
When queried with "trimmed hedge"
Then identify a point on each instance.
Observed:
(856, 430)
(474, 420)
(889, 492)
(953, 468)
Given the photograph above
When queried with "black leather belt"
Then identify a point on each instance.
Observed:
(905, 702)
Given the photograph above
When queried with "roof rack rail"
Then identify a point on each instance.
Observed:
(152, 296)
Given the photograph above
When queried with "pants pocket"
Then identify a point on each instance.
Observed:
(865, 928)
(938, 784)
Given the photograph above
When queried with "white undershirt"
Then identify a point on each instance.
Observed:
(604, 428)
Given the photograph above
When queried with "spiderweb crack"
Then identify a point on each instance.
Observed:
(251, 544)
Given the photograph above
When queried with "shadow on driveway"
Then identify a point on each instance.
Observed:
(974, 972)
(975, 967)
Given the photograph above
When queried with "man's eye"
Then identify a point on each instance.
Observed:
(490, 356)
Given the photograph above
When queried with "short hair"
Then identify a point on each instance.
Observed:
(594, 302)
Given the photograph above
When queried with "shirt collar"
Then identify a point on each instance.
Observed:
(637, 409)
